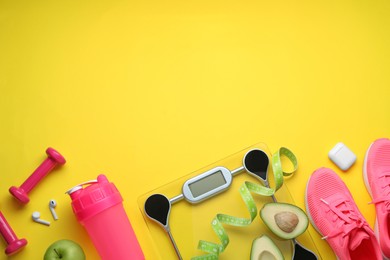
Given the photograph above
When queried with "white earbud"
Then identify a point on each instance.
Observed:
(52, 205)
(36, 217)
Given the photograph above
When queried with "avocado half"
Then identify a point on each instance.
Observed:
(285, 220)
(264, 248)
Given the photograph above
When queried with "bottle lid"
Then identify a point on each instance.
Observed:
(99, 195)
(79, 186)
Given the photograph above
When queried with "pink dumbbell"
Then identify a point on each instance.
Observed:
(14, 244)
(46, 166)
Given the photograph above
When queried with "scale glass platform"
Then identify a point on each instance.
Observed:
(189, 222)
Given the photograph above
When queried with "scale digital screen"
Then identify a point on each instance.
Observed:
(207, 184)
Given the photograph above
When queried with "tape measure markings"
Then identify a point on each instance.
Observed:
(214, 249)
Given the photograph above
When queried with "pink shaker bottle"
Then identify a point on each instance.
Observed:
(98, 207)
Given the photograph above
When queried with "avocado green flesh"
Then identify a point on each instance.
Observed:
(265, 255)
(263, 248)
(284, 229)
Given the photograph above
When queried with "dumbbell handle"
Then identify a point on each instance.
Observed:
(46, 166)
(14, 244)
(5, 229)
(21, 193)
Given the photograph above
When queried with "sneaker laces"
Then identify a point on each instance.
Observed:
(350, 219)
(385, 186)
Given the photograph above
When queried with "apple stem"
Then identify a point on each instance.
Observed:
(55, 250)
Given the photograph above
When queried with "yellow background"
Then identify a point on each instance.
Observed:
(149, 91)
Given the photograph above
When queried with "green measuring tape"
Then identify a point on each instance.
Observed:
(214, 249)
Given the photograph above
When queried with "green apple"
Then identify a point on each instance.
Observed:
(64, 249)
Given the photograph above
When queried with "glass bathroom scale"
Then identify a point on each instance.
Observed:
(191, 222)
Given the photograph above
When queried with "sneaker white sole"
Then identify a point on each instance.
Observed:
(308, 211)
(309, 215)
(365, 178)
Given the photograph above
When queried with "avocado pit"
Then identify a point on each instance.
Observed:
(286, 221)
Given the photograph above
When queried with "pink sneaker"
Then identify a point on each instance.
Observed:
(333, 212)
(376, 173)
